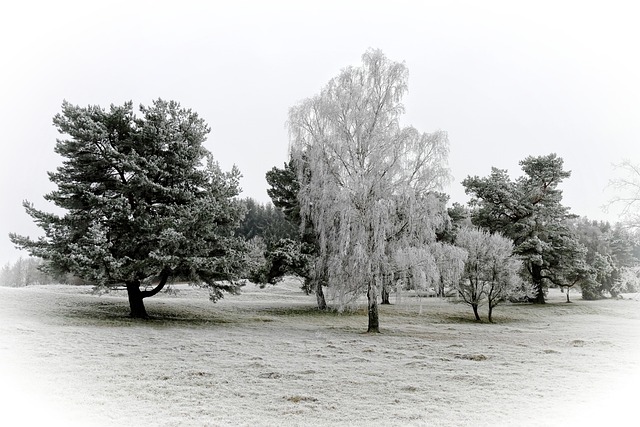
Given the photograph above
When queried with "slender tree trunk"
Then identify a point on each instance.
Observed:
(374, 324)
(536, 275)
(490, 311)
(136, 300)
(475, 311)
(385, 295)
(322, 303)
(568, 295)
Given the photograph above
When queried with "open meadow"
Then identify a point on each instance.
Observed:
(269, 358)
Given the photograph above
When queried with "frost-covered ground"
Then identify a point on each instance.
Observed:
(268, 358)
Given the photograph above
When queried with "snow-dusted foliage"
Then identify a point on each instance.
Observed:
(630, 279)
(627, 186)
(450, 261)
(490, 272)
(143, 201)
(529, 210)
(366, 183)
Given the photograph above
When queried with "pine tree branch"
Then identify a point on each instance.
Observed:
(164, 276)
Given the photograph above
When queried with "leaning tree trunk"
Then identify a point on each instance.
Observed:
(136, 295)
(372, 296)
(536, 275)
(475, 311)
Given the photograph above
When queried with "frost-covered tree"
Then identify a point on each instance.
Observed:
(630, 279)
(503, 267)
(490, 271)
(627, 185)
(366, 184)
(529, 211)
(450, 261)
(142, 201)
(609, 252)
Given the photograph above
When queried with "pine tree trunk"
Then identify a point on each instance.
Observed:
(536, 275)
(136, 296)
(475, 311)
(136, 300)
(372, 295)
(322, 303)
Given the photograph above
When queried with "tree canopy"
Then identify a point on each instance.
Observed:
(490, 270)
(142, 200)
(266, 222)
(366, 183)
(529, 210)
(610, 257)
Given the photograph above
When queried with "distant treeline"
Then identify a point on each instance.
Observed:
(30, 271)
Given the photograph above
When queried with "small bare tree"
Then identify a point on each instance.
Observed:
(627, 186)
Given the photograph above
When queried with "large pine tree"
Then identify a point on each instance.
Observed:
(142, 201)
(529, 210)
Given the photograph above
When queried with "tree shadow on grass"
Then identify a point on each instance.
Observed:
(307, 311)
(469, 320)
(115, 313)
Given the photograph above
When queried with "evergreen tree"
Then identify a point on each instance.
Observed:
(529, 211)
(284, 189)
(143, 201)
(266, 222)
(297, 255)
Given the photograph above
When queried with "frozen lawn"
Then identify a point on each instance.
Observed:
(267, 358)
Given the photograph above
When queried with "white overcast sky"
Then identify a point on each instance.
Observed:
(504, 79)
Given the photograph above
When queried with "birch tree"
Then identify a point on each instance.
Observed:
(366, 183)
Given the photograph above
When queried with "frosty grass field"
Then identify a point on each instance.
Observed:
(269, 358)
